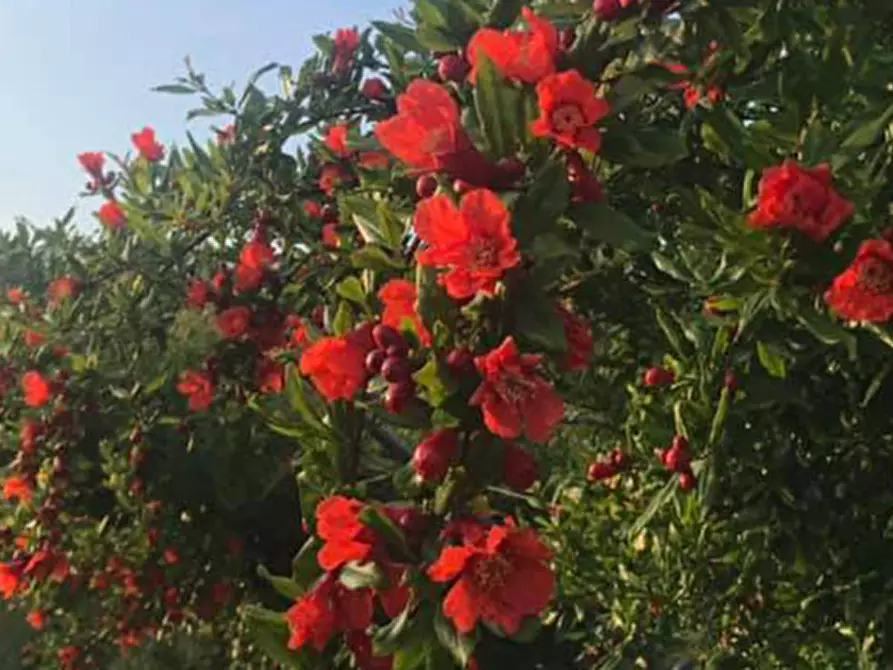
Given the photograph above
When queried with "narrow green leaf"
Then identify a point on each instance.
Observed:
(498, 105)
(771, 360)
(612, 226)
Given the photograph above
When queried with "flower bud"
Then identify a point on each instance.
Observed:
(433, 456)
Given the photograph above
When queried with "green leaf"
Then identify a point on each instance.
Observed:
(305, 566)
(352, 289)
(270, 632)
(643, 147)
(498, 105)
(283, 585)
(401, 35)
(867, 132)
(720, 416)
(657, 503)
(538, 209)
(297, 399)
(771, 360)
(536, 318)
(175, 89)
(356, 575)
(503, 13)
(612, 226)
(435, 379)
(367, 217)
(433, 304)
(461, 647)
(343, 321)
(828, 331)
(371, 257)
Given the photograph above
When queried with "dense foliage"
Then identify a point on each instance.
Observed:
(559, 341)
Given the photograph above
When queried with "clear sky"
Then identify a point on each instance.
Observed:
(76, 75)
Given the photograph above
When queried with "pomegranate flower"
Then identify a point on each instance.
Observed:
(569, 111)
(515, 400)
(337, 367)
(347, 42)
(474, 242)
(864, 292)
(525, 56)
(148, 147)
(336, 140)
(399, 298)
(328, 609)
(92, 162)
(112, 216)
(38, 391)
(500, 580)
(199, 388)
(346, 538)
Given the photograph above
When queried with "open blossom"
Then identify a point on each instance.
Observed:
(18, 488)
(112, 216)
(337, 367)
(328, 609)
(501, 579)
(792, 196)
(234, 322)
(199, 388)
(331, 177)
(474, 243)
(569, 111)
(526, 56)
(346, 538)
(336, 140)
(864, 292)
(62, 288)
(147, 145)
(515, 400)
(347, 42)
(198, 295)
(254, 260)
(92, 162)
(399, 297)
(270, 376)
(38, 391)
(427, 128)
(10, 579)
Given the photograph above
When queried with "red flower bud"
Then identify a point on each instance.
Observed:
(452, 68)
(687, 481)
(606, 10)
(599, 471)
(374, 89)
(398, 395)
(433, 456)
(658, 377)
(395, 369)
(386, 336)
(374, 360)
(426, 186)
(731, 381)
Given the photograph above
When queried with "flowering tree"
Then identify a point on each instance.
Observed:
(561, 342)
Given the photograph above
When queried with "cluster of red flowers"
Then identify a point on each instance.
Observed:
(804, 199)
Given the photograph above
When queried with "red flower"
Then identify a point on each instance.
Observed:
(68, 656)
(15, 295)
(346, 538)
(330, 236)
(585, 186)
(32, 338)
(347, 41)
(147, 145)
(515, 400)
(432, 456)
(92, 162)
(300, 335)
(791, 196)
(28, 436)
(328, 609)
(395, 596)
(526, 56)
(198, 387)
(331, 177)
(474, 242)
(692, 96)
(374, 89)
(569, 111)
(199, 294)
(864, 292)
(10, 579)
(36, 619)
(337, 367)
(313, 210)
(257, 255)
(427, 128)
(400, 297)
(112, 216)
(63, 288)
(336, 141)
(37, 389)
(579, 340)
(18, 488)
(270, 376)
(501, 580)
(234, 322)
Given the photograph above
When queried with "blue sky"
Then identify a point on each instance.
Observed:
(76, 77)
